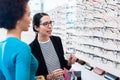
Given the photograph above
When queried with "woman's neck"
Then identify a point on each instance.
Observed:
(14, 33)
(43, 38)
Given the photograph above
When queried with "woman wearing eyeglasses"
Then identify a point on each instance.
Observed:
(48, 49)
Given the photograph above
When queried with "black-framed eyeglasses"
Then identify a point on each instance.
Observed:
(46, 24)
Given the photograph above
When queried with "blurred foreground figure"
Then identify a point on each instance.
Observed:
(16, 59)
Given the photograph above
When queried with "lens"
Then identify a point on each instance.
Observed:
(46, 24)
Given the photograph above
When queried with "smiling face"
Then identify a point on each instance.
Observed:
(24, 23)
(45, 27)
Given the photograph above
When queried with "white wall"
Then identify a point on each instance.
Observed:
(51, 4)
(27, 36)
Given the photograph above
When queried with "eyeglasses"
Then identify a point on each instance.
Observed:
(102, 59)
(46, 24)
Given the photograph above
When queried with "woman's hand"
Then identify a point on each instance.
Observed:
(55, 74)
(72, 60)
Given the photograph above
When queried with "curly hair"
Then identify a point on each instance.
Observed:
(36, 19)
(10, 12)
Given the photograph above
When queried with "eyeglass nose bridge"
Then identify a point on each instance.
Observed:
(49, 24)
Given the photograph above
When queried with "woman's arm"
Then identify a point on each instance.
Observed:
(23, 61)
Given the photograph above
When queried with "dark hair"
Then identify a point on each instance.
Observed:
(36, 19)
(11, 11)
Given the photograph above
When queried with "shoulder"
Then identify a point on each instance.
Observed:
(55, 38)
(16, 43)
(15, 47)
(34, 42)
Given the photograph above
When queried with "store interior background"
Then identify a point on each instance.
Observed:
(90, 29)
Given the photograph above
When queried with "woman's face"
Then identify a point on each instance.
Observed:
(24, 23)
(45, 28)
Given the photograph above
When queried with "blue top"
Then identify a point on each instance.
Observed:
(16, 60)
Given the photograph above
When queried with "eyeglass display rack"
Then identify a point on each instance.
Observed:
(58, 15)
(88, 28)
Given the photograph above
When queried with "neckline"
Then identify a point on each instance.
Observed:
(42, 42)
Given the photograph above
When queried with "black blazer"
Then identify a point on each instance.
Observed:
(36, 50)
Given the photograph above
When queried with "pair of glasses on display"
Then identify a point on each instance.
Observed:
(103, 30)
(104, 9)
(47, 24)
(103, 60)
(102, 1)
(71, 50)
(103, 51)
(102, 39)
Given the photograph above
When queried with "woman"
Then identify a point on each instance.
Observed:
(48, 49)
(16, 59)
